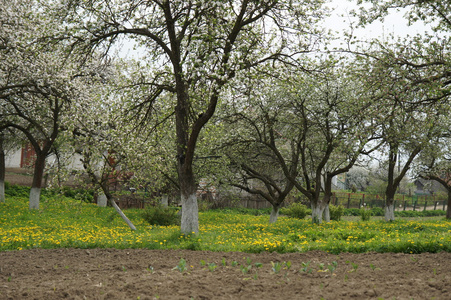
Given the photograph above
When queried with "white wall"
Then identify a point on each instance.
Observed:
(12, 159)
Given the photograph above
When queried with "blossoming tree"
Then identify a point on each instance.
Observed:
(194, 49)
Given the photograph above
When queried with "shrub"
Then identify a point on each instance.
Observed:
(295, 210)
(160, 215)
(13, 190)
(426, 213)
(203, 205)
(85, 195)
(365, 214)
(352, 212)
(378, 211)
(430, 213)
(336, 212)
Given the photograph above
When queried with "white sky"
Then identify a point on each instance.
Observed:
(394, 23)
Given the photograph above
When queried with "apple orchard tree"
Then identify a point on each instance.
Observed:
(38, 80)
(194, 49)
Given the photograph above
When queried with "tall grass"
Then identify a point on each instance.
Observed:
(65, 222)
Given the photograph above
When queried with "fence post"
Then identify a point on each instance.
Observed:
(414, 205)
(405, 204)
(425, 204)
(349, 200)
(444, 202)
(435, 204)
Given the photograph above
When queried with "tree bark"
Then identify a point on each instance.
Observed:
(190, 211)
(2, 191)
(186, 145)
(327, 196)
(327, 213)
(391, 183)
(123, 216)
(102, 200)
(394, 181)
(117, 208)
(389, 210)
(38, 174)
(448, 209)
(274, 214)
(165, 200)
(317, 212)
(2, 171)
(190, 214)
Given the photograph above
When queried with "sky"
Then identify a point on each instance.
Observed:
(340, 21)
(394, 23)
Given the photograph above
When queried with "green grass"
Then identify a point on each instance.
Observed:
(64, 222)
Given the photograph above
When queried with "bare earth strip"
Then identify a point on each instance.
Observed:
(150, 274)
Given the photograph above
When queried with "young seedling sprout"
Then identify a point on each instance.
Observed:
(181, 266)
(212, 267)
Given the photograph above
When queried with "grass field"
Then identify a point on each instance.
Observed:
(64, 222)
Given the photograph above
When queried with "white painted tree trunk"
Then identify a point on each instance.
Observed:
(2, 191)
(389, 212)
(2, 169)
(317, 213)
(35, 194)
(165, 200)
(102, 200)
(123, 216)
(274, 214)
(190, 214)
(327, 213)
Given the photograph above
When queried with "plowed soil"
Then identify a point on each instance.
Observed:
(152, 274)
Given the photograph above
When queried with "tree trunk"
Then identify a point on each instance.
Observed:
(389, 210)
(327, 196)
(35, 192)
(327, 213)
(117, 208)
(188, 187)
(102, 200)
(448, 210)
(190, 214)
(123, 216)
(165, 200)
(274, 214)
(2, 191)
(317, 212)
(2, 172)
(389, 207)
(104, 186)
